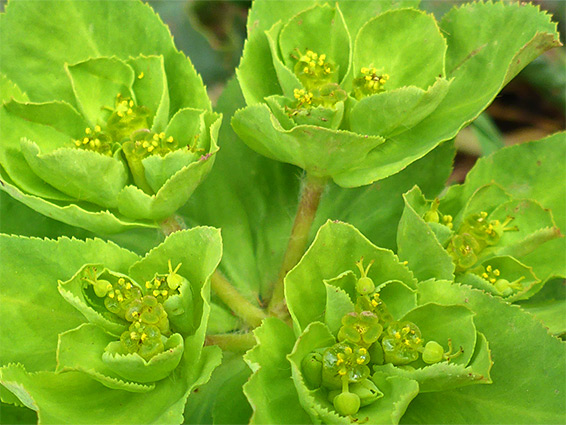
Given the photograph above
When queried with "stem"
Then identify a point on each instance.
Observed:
(232, 342)
(244, 309)
(310, 198)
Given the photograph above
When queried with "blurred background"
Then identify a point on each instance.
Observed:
(532, 106)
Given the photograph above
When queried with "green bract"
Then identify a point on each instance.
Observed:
(356, 92)
(486, 232)
(359, 343)
(108, 141)
(117, 339)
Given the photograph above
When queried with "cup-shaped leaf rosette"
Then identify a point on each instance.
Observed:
(120, 150)
(154, 321)
(358, 350)
(113, 144)
(357, 95)
(485, 243)
(132, 324)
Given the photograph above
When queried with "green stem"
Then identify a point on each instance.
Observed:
(308, 205)
(232, 342)
(241, 307)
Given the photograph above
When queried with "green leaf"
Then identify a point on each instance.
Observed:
(315, 336)
(398, 297)
(187, 127)
(135, 368)
(319, 151)
(400, 109)
(523, 390)
(73, 397)
(150, 88)
(75, 293)
(475, 85)
(83, 174)
(96, 83)
(270, 389)
(222, 396)
(418, 244)
(444, 376)
(81, 349)
(198, 250)
(338, 303)
(30, 299)
(336, 249)
(526, 171)
(442, 323)
(287, 79)
(10, 91)
(406, 44)
(321, 29)
(512, 270)
(549, 306)
(80, 31)
(133, 202)
(84, 215)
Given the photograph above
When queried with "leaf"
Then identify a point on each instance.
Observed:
(442, 323)
(187, 127)
(527, 171)
(82, 349)
(96, 83)
(134, 202)
(321, 29)
(81, 215)
(319, 151)
(398, 297)
(549, 306)
(150, 88)
(73, 397)
(30, 299)
(523, 390)
(270, 390)
(73, 291)
(475, 84)
(135, 368)
(400, 109)
(198, 250)
(338, 303)
(10, 91)
(222, 395)
(406, 44)
(79, 31)
(336, 249)
(509, 269)
(315, 336)
(80, 173)
(418, 244)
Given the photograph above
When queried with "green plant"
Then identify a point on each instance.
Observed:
(431, 306)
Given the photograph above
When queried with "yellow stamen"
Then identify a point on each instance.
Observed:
(140, 76)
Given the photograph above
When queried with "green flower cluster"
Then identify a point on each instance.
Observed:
(368, 336)
(356, 92)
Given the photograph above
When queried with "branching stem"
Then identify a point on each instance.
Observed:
(232, 342)
(241, 307)
(308, 205)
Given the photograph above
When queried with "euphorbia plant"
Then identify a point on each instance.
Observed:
(408, 319)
